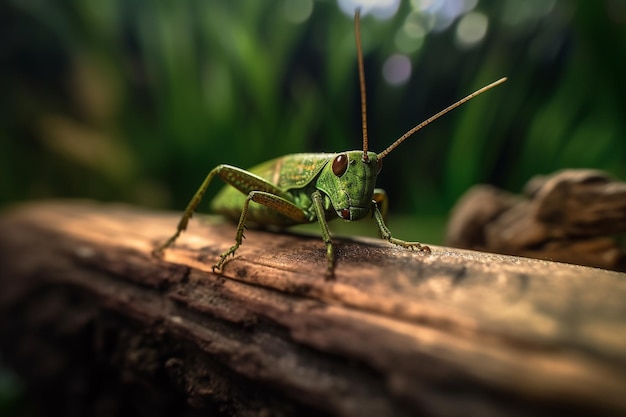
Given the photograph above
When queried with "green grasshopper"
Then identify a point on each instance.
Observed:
(304, 188)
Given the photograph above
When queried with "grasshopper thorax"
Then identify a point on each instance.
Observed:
(348, 182)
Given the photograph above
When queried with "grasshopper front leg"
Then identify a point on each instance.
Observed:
(318, 205)
(381, 197)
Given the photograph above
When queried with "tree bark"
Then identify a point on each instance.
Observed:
(95, 325)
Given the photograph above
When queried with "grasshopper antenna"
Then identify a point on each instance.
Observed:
(359, 52)
(438, 115)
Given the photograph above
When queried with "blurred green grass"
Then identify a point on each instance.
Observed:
(137, 101)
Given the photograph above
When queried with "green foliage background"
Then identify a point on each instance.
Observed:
(137, 100)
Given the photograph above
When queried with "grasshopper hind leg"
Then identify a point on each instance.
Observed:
(191, 208)
(240, 179)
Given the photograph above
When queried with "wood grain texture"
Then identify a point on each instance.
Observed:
(576, 216)
(396, 333)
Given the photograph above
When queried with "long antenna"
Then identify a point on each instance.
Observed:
(359, 52)
(438, 115)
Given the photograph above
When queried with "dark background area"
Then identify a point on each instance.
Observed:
(137, 101)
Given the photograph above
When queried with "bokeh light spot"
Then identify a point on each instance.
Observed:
(381, 9)
(297, 11)
(442, 13)
(397, 69)
(471, 29)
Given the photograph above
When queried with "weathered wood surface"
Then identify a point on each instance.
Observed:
(575, 216)
(396, 334)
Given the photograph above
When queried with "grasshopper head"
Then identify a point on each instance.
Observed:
(348, 181)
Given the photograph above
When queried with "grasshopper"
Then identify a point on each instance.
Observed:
(308, 187)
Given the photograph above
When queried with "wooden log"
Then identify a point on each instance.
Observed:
(575, 216)
(94, 324)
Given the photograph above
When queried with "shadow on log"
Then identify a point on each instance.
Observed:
(95, 326)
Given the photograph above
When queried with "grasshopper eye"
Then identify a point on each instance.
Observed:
(340, 164)
(380, 166)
